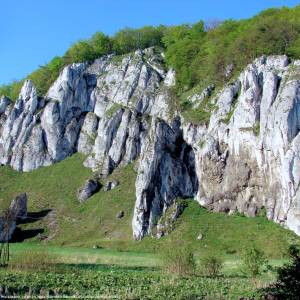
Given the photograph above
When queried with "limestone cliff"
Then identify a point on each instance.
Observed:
(119, 110)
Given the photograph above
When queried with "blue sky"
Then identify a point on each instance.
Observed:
(33, 31)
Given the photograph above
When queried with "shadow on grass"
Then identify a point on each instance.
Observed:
(21, 235)
(33, 217)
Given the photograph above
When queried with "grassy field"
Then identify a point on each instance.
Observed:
(51, 270)
(127, 284)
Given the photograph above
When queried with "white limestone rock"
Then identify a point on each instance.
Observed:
(90, 187)
(116, 111)
(19, 206)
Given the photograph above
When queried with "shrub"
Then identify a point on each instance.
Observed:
(211, 266)
(287, 285)
(178, 260)
(253, 261)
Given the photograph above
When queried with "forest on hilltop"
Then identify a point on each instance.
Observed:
(199, 53)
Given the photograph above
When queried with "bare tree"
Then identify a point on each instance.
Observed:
(8, 220)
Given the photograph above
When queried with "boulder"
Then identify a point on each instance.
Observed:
(120, 214)
(110, 185)
(19, 206)
(90, 187)
(200, 237)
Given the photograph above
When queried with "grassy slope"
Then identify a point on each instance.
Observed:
(55, 188)
(95, 222)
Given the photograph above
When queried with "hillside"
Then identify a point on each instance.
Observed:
(65, 222)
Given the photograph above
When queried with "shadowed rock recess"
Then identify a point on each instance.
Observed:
(119, 110)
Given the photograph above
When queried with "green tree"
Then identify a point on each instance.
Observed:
(101, 44)
(81, 51)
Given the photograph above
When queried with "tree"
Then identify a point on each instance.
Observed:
(101, 44)
(8, 219)
(81, 51)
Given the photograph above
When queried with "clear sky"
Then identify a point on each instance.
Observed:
(34, 31)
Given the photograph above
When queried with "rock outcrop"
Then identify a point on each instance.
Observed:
(110, 185)
(89, 189)
(166, 222)
(99, 109)
(119, 110)
(19, 207)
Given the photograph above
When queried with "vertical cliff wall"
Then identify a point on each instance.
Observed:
(120, 109)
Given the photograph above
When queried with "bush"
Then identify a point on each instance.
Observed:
(211, 266)
(288, 278)
(178, 260)
(11, 90)
(253, 261)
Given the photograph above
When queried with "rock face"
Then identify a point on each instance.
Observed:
(166, 172)
(116, 111)
(100, 110)
(90, 187)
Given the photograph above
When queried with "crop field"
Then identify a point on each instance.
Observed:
(36, 270)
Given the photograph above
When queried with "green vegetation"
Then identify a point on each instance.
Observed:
(287, 285)
(127, 40)
(202, 57)
(125, 275)
(199, 115)
(178, 259)
(211, 266)
(253, 261)
(256, 128)
(114, 108)
(85, 249)
(54, 188)
(124, 283)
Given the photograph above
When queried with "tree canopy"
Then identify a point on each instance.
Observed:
(200, 53)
